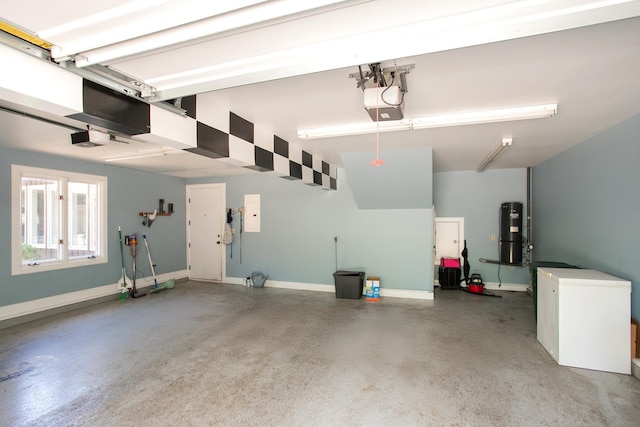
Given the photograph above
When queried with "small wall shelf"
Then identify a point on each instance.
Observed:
(491, 261)
(157, 214)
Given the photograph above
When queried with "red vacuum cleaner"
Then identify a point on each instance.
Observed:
(475, 284)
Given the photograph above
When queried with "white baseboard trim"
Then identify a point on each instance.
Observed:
(233, 280)
(517, 287)
(406, 293)
(30, 307)
(384, 292)
(299, 286)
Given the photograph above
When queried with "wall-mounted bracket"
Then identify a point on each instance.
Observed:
(150, 214)
(378, 75)
(149, 217)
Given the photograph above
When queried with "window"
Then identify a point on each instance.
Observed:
(58, 219)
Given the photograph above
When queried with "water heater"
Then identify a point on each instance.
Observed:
(511, 233)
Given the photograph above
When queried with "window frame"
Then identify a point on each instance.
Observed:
(63, 178)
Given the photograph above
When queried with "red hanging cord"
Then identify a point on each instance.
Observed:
(377, 162)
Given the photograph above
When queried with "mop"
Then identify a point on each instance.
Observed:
(156, 287)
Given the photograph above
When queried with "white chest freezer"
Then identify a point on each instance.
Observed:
(584, 318)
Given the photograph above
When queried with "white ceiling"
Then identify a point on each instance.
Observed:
(467, 57)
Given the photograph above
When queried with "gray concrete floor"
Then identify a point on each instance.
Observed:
(222, 355)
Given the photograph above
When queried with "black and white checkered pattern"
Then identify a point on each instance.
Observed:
(245, 145)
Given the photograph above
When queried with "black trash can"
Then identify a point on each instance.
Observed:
(533, 270)
(349, 284)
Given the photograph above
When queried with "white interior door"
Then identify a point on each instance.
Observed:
(205, 224)
(449, 238)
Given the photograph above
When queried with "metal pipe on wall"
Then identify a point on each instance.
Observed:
(529, 172)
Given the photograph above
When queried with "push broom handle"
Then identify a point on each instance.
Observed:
(153, 271)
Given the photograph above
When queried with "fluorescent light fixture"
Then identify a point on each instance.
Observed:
(353, 129)
(140, 154)
(495, 153)
(443, 120)
(487, 116)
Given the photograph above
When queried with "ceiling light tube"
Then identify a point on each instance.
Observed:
(487, 116)
(353, 129)
(497, 152)
(443, 120)
(141, 154)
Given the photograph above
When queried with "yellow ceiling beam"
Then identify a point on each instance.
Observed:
(17, 32)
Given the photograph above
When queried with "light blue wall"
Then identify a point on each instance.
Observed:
(477, 198)
(586, 205)
(130, 192)
(298, 226)
(378, 187)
